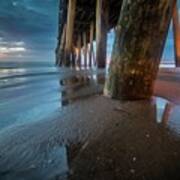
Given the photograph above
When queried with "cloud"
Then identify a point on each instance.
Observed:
(6, 50)
(29, 24)
(11, 44)
(11, 48)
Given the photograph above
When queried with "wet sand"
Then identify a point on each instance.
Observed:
(84, 135)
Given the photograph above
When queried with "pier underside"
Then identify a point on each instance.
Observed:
(84, 22)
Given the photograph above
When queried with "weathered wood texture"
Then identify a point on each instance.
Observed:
(91, 43)
(62, 18)
(85, 14)
(176, 31)
(60, 51)
(101, 32)
(85, 48)
(79, 50)
(69, 31)
(140, 38)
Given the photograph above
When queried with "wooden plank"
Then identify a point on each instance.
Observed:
(101, 32)
(79, 50)
(176, 32)
(70, 30)
(62, 47)
(85, 48)
(73, 57)
(91, 43)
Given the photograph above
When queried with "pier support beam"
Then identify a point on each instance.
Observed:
(73, 57)
(85, 48)
(101, 32)
(91, 44)
(60, 55)
(140, 37)
(69, 31)
(79, 50)
(176, 31)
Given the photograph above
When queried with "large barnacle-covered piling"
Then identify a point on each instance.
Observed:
(140, 37)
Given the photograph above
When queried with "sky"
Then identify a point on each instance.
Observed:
(28, 29)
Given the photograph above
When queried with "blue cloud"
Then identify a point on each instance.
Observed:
(32, 21)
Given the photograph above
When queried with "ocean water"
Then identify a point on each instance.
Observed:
(25, 64)
(26, 92)
(34, 91)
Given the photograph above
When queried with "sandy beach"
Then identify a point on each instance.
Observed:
(56, 125)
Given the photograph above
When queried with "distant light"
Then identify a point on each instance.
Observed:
(12, 49)
(3, 49)
(17, 49)
(166, 65)
(14, 3)
(11, 44)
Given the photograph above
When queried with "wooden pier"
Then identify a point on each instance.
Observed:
(82, 22)
(141, 30)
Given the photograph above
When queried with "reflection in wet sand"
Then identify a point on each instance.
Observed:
(167, 112)
(91, 136)
(81, 86)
